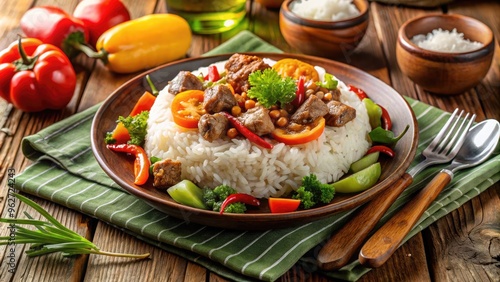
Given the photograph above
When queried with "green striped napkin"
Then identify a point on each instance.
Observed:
(64, 171)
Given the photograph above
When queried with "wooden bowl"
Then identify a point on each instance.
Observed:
(271, 4)
(120, 168)
(330, 39)
(441, 72)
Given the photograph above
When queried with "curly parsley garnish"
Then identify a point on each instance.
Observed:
(269, 88)
(136, 126)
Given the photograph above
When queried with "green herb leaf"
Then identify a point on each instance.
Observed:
(269, 88)
(51, 236)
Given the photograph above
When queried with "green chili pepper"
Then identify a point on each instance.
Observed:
(329, 82)
(374, 112)
(380, 135)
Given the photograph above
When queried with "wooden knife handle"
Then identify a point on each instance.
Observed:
(345, 242)
(387, 239)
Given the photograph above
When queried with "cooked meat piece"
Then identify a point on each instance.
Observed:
(239, 67)
(339, 114)
(309, 111)
(218, 98)
(335, 94)
(185, 80)
(257, 120)
(213, 127)
(166, 173)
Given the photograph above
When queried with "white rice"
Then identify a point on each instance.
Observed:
(249, 168)
(445, 41)
(324, 10)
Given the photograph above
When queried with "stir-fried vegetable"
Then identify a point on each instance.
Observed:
(238, 198)
(374, 112)
(187, 193)
(382, 136)
(187, 108)
(282, 205)
(269, 88)
(364, 162)
(141, 162)
(329, 82)
(247, 133)
(313, 192)
(307, 134)
(360, 180)
(213, 199)
(383, 149)
(136, 127)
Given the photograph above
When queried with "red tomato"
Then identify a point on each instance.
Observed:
(296, 138)
(282, 205)
(187, 108)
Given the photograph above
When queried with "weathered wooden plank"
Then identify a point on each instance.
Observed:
(161, 265)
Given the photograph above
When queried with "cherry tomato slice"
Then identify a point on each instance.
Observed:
(187, 108)
(296, 138)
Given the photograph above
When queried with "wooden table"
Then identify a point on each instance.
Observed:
(463, 246)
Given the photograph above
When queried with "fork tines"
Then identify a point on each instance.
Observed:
(455, 133)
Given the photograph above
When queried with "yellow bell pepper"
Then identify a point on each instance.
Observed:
(144, 43)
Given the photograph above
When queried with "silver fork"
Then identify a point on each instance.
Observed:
(345, 242)
(445, 146)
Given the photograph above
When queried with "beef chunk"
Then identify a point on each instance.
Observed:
(335, 94)
(185, 80)
(309, 111)
(166, 173)
(239, 67)
(257, 119)
(339, 114)
(218, 98)
(213, 127)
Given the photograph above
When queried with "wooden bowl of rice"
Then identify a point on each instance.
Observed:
(330, 29)
(445, 54)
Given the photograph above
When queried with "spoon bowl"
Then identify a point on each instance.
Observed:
(479, 144)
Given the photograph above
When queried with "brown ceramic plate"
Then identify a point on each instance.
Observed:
(120, 167)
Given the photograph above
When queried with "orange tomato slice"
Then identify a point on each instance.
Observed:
(187, 108)
(282, 205)
(296, 138)
(295, 68)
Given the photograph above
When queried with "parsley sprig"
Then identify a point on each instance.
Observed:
(51, 236)
(269, 88)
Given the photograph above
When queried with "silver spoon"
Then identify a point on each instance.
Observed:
(479, 144)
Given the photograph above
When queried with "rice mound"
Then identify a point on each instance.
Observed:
(249, 168)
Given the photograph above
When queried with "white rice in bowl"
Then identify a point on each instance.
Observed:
(249, 168)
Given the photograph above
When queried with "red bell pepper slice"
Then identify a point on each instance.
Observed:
(36, 76)
(239, 198)
(100, 15)
(252, 137)
(213, 74)
(54, 26)
(141, 162)
(382, 149)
